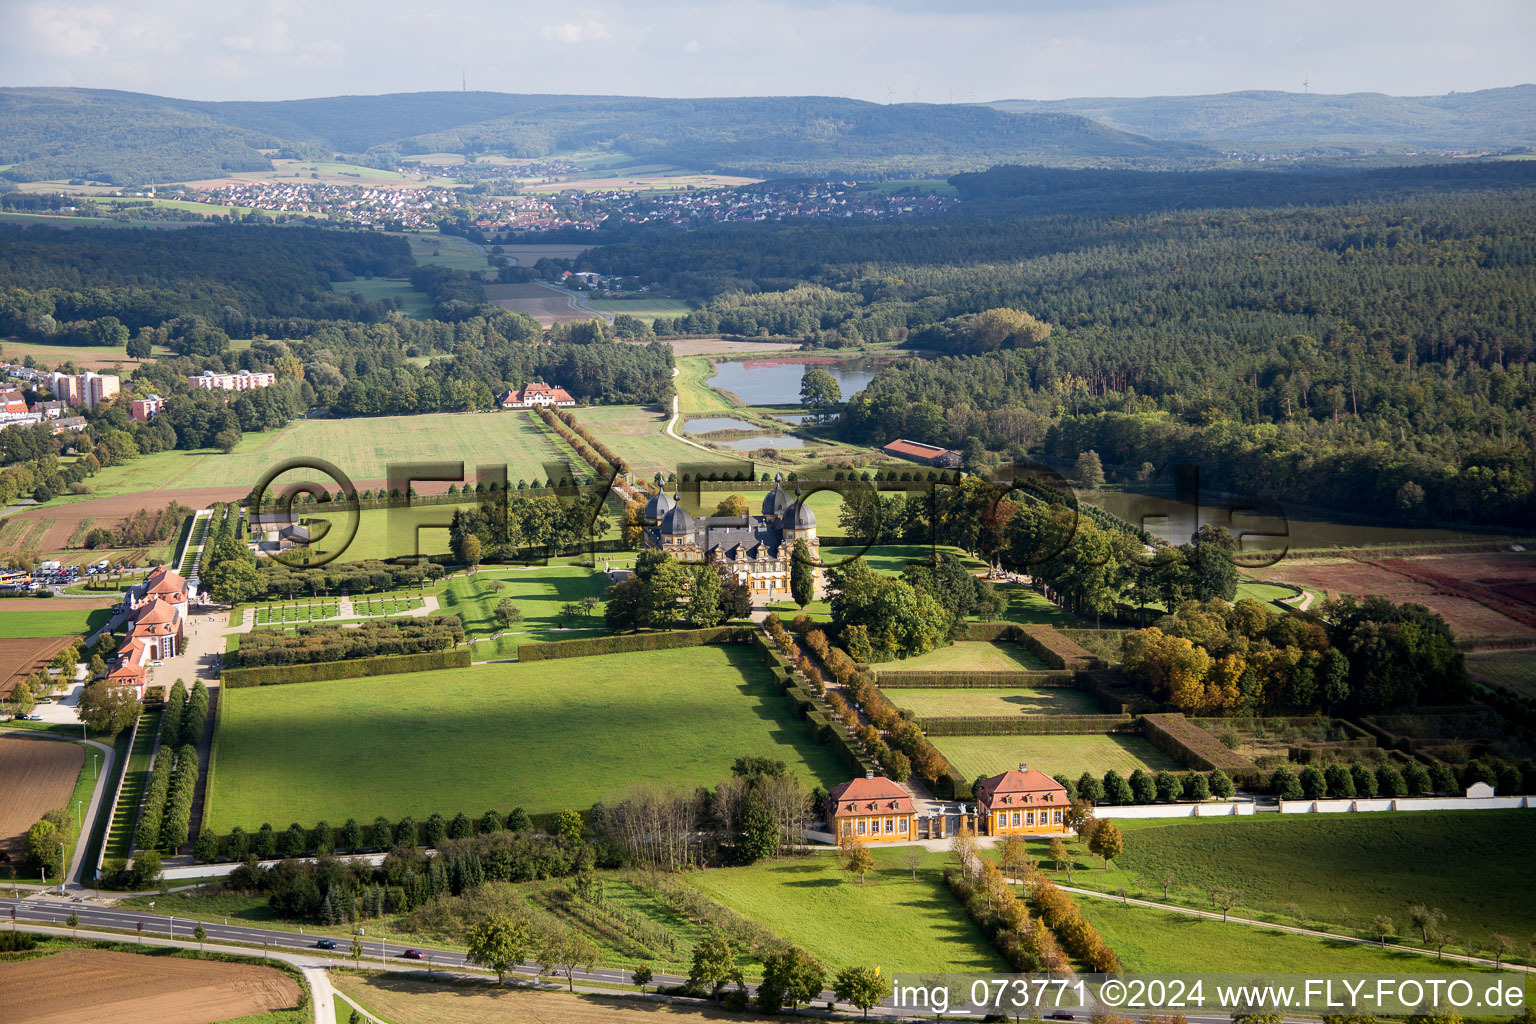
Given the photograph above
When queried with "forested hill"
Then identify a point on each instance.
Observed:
(125, 138)
(1270, 122)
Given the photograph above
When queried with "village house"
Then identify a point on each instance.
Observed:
(756, 549)
(1021, 802)
(12, 403)
(927, 454)
(533, 394)
(872, 809)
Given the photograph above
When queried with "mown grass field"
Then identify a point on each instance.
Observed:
(409, 301)
(934, 702)
(637, 434)
(644, 307)
(68, 620)
(890, 921)
(540, 595)
(1343, 870)
(968, 656)
(1154, 941)
(451, 251)
(362, 448)
(546, 736)
(1055, 755)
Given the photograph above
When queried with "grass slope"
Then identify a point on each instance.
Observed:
(543, 735)
(890, 921)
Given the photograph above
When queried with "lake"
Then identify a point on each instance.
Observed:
(1162, 516)
(771, 382)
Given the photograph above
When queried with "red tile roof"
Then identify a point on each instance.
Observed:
(1016, 788)
(155, 610)
(869, 796)
(917, 448)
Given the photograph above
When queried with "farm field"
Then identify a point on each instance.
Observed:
(528, 255)
(1471, 620)
(500, 735)
(408, 1000)
(1361, 856)
(451, 251)
(362, 448)
(69, 617)
(644, 307)
(933, 702)
(1514, 670)
(123, 986)
(890, 921)
(21, 656)
(637, 434)
(1345, 577)
(545, 303)
(967, 656)
(1055, 755)
(40, 775)
(86, 357)
(410, 301)
(1149, 941)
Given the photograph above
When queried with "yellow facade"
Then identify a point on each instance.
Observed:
(1025, 820)
(878, 828)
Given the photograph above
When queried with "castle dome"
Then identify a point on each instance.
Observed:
(777, 501)
(676, 521)
(799, 517)
(660, 504)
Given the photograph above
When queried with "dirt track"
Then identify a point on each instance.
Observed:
(101, 987)
(39, 776)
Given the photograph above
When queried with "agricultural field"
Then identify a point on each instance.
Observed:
(967, 656)
(362, 448)
(1333, 578)
(124, 986)
(1513, 670)
(407, 299)
(545, 303)
(645, 307)
(890, 921)
(637, 434)
(67, 617)
(451, 251)
(1470, 620)
(934, 702)
(975, 756)
(500, 735)
(86, 357)
(1155, 941)
(528, 255)
(22, 656)
(1362, 858)
(40, 775)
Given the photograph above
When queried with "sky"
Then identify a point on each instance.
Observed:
(879, 50)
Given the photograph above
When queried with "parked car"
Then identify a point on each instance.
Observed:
(44, 700)
(326, 944)
(413, 954)
(1059, 1016)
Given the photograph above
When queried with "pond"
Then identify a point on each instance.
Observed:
(710, 424)
(772, 382)
(746, 444)
(1175, 523)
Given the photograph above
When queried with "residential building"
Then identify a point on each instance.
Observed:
(756, 549)
(52, 410)
(1021, 802)
(146, 408)
(243, 380)
(927, 454)
(12, 403)
(872, 809)
(89, 389)
(533, 394)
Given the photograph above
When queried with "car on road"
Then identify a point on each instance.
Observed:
(45, 700)
(77, 899)
(1060, 1016)
(326, 944)
(413, 954)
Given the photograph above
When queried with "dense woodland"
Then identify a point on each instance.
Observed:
(1341, 334)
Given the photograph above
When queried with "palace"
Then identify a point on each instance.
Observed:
(757, 549)
(871, 809)
(157, 611)
(1024, 801)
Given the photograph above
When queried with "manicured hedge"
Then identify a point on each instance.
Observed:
(1027, 725)
(276, 675)
(631, 642)
(1193, 747)
(994, 679)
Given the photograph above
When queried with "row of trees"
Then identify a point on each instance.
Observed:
(334, 642)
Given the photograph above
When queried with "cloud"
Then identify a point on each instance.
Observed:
(573, 34)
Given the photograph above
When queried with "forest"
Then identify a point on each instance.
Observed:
(1377, 340)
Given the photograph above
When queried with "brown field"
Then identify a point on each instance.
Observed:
(95, 986)
(39, 776)
(21, 656)
(721, 347)
(1468, 619)
(1346, 578)
(405, 1000)
(544, 304)
(1514, 567)
(87, 357)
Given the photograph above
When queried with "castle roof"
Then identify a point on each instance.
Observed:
(1024, 786)
(660, 504)
(676, 521)
(869, 796)
(799, 517)
(777, 501)
(156, 610)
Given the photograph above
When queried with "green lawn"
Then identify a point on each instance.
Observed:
(1345, 869)
(1513, 670)
(694, 395)
(301, 611)
(928, 702)
(1157, 941)
(637, 434)
(890, 921)
(362, 448)
(65, 621)
(429, 247)
(539, 594)
(409, 301)
(968, 656)
(1055, 755)
(543, 735)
